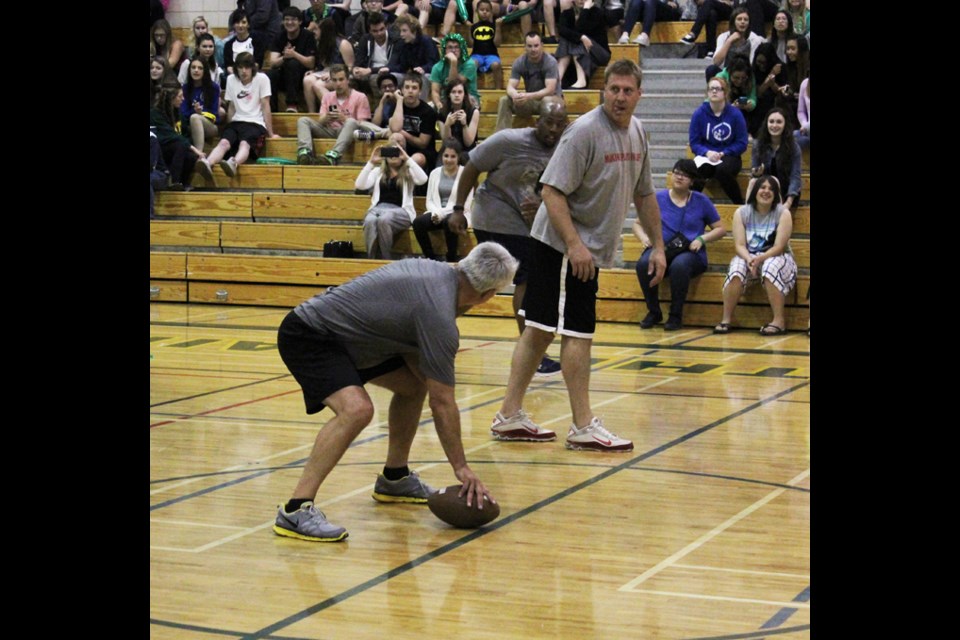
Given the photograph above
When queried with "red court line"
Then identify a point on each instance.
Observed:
(202, 375)
(229, 406)
(484, 344)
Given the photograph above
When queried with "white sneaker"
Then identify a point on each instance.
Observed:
(229, 167)
(624, 39)
(204, 169)
(519, 427)
(643, 40)
(594, 437)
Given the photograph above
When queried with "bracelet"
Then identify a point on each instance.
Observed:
(702, 241)
(458, 207)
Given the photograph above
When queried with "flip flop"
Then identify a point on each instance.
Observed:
(774, 330)
(723, 327)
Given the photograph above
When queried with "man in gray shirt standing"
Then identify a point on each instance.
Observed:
(507, 201)
(394, 327)
(600, 165)
(541, 78)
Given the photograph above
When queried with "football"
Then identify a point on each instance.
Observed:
(452, 509)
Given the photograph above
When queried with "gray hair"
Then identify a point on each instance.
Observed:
(488, 266)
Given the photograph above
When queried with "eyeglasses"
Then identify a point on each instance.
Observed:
(680, 174)
(715, 89)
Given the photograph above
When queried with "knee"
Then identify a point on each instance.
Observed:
(357, 413)
(196, 119)
(495, 67)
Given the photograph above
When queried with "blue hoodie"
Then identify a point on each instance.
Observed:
(726, 133)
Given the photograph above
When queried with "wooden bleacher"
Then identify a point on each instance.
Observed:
(258, 238)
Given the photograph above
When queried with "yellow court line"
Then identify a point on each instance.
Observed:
(696, 544)
(699, 596)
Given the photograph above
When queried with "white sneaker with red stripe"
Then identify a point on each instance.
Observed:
(594, 437)
(519, 427)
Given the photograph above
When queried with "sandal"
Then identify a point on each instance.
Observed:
(723, 327)
(773, 330)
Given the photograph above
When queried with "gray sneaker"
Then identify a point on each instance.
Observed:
(229, 167)
(203, 168)
(407, 489)
(307, 523)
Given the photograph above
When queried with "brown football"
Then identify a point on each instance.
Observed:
(452, 509)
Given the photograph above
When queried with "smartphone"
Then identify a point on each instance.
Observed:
(742, 100)
(334, 108)
(390, 152)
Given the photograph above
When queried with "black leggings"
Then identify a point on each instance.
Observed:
(709, 13)
(423, 225)
(180, 160)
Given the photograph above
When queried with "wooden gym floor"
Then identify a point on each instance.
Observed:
(701, 532)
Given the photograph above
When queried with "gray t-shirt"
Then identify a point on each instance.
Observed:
(514, 160)
(408, 307)
(535, 75)
(601, 168)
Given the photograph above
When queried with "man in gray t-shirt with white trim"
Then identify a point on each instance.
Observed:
(600, 166)
(393, 327)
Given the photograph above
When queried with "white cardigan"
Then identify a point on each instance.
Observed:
(370, 177)
(433, 195)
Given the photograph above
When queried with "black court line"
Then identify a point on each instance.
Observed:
(781, 616)
(680, 346)
(500, 463)
(499, 524)
(756, 634)
(208, 393)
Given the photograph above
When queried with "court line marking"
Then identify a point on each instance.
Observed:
(756, 634)
(498, 524)
(193, 524)
(745, 571)
(207, 393)
(369, 487)
(700, 596)
(699, 542)
(784, 614)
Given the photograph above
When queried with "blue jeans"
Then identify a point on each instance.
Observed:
(681, 270)
(649, 11)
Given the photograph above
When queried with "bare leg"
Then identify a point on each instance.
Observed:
(731, 296)
(548, 17)
(354, 411)
(497, 72)
(562, 64)
(243, 152)
(777, 302)
(216, 154)
(581, 82)
(449, 17)
(575, 361)
(518, 291)
(527, 355)
(406, 406)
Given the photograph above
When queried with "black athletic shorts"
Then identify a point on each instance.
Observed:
(518, 246)
(555, 300)
(320, 364)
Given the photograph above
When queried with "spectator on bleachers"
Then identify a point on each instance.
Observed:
(160, 72)
(162, 43)
(709, 13)
(331, 49)
(456, 64)
(801, 17)
(242, 41)
(583, 40)
(458, 118)
(782, 27)
(335, 108)
(372, 55)
(292, 55)
(415, 53)
(157, 11)
(718, 133)
(265, 20)
(250, 120)
(378, 127)
(206, 55)
(761, 239)
(441, 196)
(684, 215)
(795, 70)
(803, 114)
(178, 154)
(320, 10)
(361, 23)
(738, 41)
(392, 179)
(416, 121)
(159, 175)
(776, 153)
(486, 34)
(200, 27)
(200, 112)
(545, 12)
(768, 77)
(761, 12)
(541, 78)
(743, 91)
(649, 12)
(613, 12)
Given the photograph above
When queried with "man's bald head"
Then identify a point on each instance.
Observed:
(552, 120)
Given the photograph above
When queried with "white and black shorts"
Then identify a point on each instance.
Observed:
(557, 301)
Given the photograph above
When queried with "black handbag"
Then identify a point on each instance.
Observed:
(675, 246)
(338, 249)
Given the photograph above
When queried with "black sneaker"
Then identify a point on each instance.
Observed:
(550, 40)
(547, 368)
(651, 319)
(306, 158)
(688, 39)
(673, 324)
